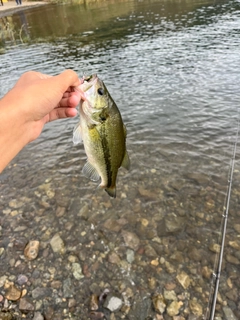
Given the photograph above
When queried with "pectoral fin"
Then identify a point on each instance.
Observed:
(126, 161)
(90, 172)
(77, 138)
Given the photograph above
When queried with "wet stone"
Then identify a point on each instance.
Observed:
(38, 316)
(169, 295)
(13, 293)
(26, 305)
(131, 239)
(229, 313)
(232, 259)
(77, 271)
(57, 244)
(171, 224)
(113, 303)
(195, 307)
(22, 279)
(159, 303)
(112, 225)
(31, 250)
(39, 292)
(68, 288)
(93, 304)
(114, 258)
(183, 279)
(174, 307)
(235, 244)
(130, 255)
(214, 247)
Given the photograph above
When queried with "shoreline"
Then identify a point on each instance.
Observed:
(11, 7)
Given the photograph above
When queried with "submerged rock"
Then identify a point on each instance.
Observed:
(25, 305)
(159, 303)
(13, 293)
(57, 244)
(113, 303)
(131, 239)
(31, 250)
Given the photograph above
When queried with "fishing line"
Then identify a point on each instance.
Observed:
(219, 258)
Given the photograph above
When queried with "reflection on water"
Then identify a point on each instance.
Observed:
(173, 70)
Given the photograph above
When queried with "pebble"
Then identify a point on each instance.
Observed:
(13, 293)
(169, 295)
(235, 244)
(114, 258)
(215, 247)
(57, 244)
(183, 279)
(15, 204)
(40, 292)
(195, 307)
(77, 271)
(131, 240)
(229, 313)
(159, 303)
(232, 259)
(38, 316)
(31, 250)
(173, 308)
(93, 304)
(26, 305)
(113, 303)
(130, 255)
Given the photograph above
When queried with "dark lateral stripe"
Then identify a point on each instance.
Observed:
(106, 153)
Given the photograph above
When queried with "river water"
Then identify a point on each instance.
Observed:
(173, 69)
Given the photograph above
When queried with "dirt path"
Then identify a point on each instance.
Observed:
(11, 7)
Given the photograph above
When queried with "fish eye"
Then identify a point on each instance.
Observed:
(100, 91)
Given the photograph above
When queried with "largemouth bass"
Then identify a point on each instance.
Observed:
(103, 134)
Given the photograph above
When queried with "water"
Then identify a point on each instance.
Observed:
(173, 69)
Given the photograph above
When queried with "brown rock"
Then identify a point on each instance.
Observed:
(26, 305)
(13, 293)
(31, 250)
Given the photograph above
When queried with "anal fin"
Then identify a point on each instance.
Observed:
(90, 172)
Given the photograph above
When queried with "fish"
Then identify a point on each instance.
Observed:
(103, 134)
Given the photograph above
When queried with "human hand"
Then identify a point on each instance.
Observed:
(35, 99)
(47, 98)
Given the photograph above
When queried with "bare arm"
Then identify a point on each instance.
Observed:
(34, 100)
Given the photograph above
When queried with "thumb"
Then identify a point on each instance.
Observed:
(66, 79)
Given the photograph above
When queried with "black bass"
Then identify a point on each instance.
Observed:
(103, 134)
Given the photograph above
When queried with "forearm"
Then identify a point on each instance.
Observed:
(13, 129)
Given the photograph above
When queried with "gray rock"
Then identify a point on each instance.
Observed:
(68, 288)
(22, 279)
(41, 292)
(130, 255)
(38, 316)
(229, 314)
(171, 224)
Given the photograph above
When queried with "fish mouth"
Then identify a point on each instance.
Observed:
(86, 83)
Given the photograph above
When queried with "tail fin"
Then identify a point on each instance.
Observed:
(111, 191)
